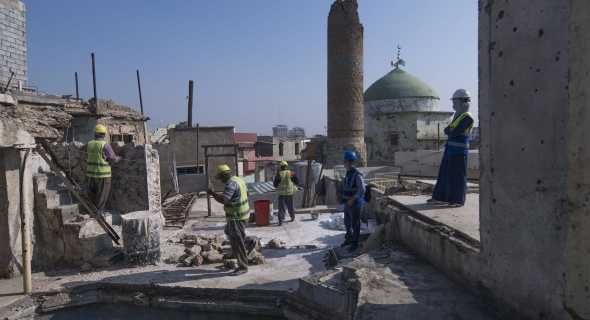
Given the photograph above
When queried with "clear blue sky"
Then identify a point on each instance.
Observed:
(247, 58)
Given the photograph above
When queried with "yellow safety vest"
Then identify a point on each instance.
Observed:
(286, 187)
(455, 122)
(462, 141)
(96, 166)
(238, 210)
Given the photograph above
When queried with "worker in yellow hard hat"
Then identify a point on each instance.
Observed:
(98, 168)
(237, 212)
(286, 183)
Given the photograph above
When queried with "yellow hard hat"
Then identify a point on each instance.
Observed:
(283, 164)
(221, 170)
(99, 128)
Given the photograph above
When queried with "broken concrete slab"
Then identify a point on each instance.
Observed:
(410, 288)
(463, 219)
(7, 100)
(375, 241)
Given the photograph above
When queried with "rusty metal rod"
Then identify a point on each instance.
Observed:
(190, 104)
(9, 79)
(94, 81)
(77, 92)
(139, 87)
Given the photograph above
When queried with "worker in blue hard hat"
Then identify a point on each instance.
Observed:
(451, 184)
(353, 192)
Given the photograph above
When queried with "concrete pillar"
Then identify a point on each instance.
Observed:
(345, 83)
(535, 180)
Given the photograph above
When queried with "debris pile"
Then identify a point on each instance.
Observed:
(214, 249)
(335, 221)
(42, 122)
(111, 109)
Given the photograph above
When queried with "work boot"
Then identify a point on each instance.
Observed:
(239, 272)
(433, 201)
(280, 223)
(345, 243)
(455, 205)
(292, 219)
(353, 248)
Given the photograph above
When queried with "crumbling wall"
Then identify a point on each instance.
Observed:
(41, 122)
(130, 187)
(13, 46)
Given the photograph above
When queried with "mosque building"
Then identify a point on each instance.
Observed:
(402, 113)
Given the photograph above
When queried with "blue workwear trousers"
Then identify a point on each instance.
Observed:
(352, 222)
(451, 185)
(286, 203)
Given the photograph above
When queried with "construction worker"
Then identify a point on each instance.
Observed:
(451, 185)
(237, 212)
(286, 183)
(353, 192)
(98, 168)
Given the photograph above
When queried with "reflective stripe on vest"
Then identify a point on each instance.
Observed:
(96, 166)
(458, 144)
(350, 190)
(286, 186)
(240, 209)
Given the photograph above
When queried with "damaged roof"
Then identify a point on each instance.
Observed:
(48, 116)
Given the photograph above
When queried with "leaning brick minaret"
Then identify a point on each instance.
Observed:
(345, 83)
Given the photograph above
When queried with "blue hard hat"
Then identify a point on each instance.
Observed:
(349, 155)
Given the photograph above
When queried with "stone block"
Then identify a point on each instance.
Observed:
(197, 260)
(375, 241)
(230, 263)
(227, 252)
(212, 257)
(193, 251)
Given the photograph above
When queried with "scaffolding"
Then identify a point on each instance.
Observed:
(383, 181)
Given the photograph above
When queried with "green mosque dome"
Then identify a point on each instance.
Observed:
(399, 84)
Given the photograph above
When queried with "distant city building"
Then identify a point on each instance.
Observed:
(475, 133)
(296, 132)
(281, 130)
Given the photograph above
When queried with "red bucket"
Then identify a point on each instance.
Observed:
(262, 209)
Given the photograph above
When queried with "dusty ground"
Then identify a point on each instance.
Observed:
(281, 271)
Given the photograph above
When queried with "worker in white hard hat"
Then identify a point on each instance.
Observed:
(451, 185)
(98, 168)
(286, 183)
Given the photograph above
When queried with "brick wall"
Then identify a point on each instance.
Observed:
(13, 48)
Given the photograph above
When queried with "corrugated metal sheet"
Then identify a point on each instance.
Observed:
(264, 187)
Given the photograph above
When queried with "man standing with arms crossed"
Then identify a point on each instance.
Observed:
(286, 183)
(98, 168)
(237, 212)
(353, 193)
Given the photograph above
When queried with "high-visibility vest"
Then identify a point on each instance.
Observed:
(286, 187)
(350, 188)
(96, 166)
(238, 210)
(461, 141)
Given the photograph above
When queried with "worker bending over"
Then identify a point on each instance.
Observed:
(237, 212)
(286, 183)
(451, 185)
(98, 168)
(353, 193)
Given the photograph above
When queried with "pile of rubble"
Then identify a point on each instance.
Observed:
(212, 250)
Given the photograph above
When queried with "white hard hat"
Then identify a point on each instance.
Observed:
(461, 94)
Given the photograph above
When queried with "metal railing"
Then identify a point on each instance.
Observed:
(382, 181)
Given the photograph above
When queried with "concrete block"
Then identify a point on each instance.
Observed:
(7, 100)
(328, 297)
(375, 241)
